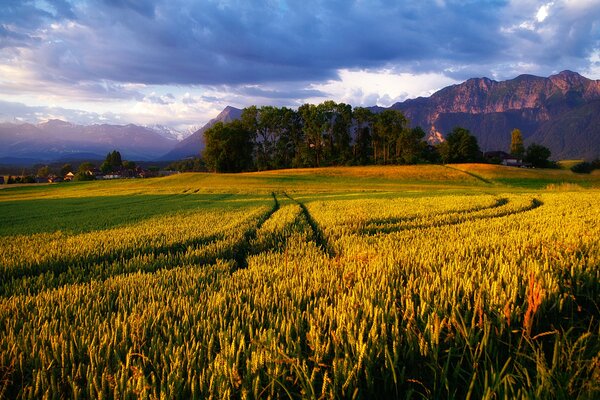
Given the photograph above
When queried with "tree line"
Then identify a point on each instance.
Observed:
(327, 134)
(320, 135)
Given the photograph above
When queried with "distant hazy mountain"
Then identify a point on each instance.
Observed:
(194, 144)
(168, 133)
(57, 139)
(560, 112)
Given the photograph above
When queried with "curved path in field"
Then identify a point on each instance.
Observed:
(60, 272)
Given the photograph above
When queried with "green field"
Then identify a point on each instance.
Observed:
(461, 281)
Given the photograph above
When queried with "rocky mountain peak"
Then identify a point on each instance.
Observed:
(229, 113)
(55, 123)
(569, 81)
(491, 109)
(193, 144)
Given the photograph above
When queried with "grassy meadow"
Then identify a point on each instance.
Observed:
(459, 281)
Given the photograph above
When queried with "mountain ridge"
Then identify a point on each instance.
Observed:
(55, 139)
(540, 107)
(194, 144)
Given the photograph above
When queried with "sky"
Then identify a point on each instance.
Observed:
(178, 63)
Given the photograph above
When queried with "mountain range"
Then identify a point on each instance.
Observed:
(60, 140)
(561, 112)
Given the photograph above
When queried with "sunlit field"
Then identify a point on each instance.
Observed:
(462, 281)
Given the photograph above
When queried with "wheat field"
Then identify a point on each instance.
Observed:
(378, 282)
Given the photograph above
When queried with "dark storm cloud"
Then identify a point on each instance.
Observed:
(241, 42)
(27, 16)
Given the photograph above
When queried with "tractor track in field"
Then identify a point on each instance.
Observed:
(245, 248)
(318, 235)
(398, 220)
(59, 272)
(535, 203)
(77, 270)
(471, 174)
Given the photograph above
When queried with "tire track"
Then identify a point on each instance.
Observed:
(63, 271)
(478, 177)
(318, 235)
(390, 221)
(535, 203)
(245, 249)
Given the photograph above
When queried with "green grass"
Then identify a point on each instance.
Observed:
(84, 214)
(85, 206)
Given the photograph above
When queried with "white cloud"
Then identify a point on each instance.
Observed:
(382, 87)
(543, 12)
(593, 72)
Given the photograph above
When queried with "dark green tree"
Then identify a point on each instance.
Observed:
(265, 126)
(583, 168)
(86, 167)
(115, 160)
(459, 146)
(388, 128)
(537, 155)
(106, 167)
(112, 162)
(312, 125)
(289, 139)
(411, 145)
(341, 138)
(85, 172)
(363, 127)
(66, 169)
(129, 165)
(195, 164)
(229, 147)
(43, 172)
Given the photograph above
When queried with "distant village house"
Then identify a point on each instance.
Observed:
(504, 158)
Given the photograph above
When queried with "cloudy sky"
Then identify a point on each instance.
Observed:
(179, 62)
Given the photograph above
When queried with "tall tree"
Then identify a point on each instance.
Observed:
(388, 129)
(363, 127)
(516, 143)
(537, 155)
(459, 146)
(43, 172)
(312, 125)
(341, 133)
(229, 147)
(411, 145)
(289, 139)
(326, 115)
(269, 130)
(112, 162)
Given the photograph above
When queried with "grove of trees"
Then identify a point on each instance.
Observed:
(326, 134)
